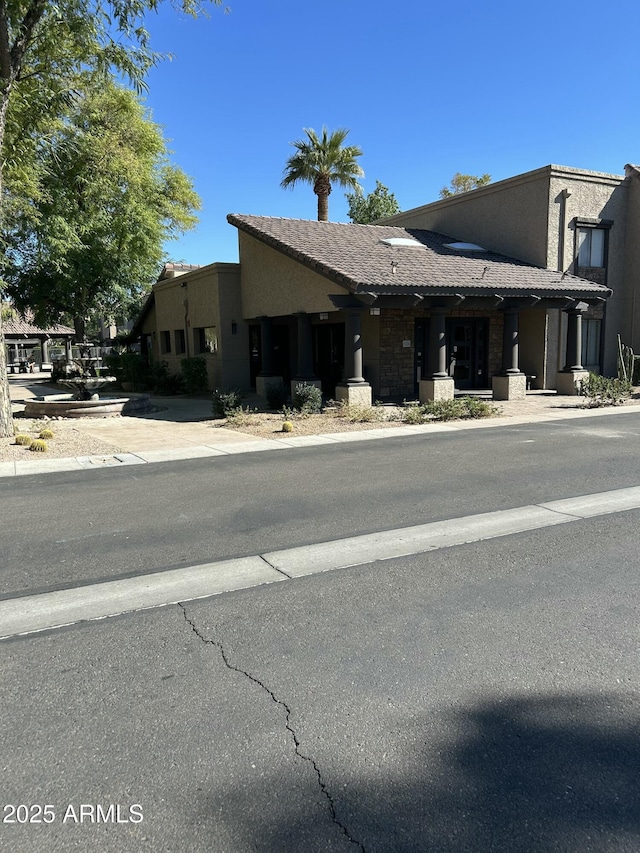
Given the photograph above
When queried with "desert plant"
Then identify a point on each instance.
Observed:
(460, 408)
(241, 417)
(307, 398)
(360, 414)
(23, 440)
(626, 361)
(287, 426)
(413, 414)
(476, 408)
(195, 375)
(225, 402)
(38, 445)
(604, 391)
(276, 395)
(46, 433)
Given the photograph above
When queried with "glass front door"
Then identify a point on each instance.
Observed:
(467, 352)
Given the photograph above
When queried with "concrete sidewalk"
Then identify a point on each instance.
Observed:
(181, 429)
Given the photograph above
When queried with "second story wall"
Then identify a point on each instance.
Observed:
(509, 216)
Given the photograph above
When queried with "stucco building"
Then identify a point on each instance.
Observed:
(525, 281)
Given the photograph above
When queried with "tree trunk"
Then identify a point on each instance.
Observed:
(322, 188)
(6, 418)
(323, 208)
(79, 324)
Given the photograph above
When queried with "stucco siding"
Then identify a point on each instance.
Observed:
(205, 298)
(532, 348)
(594, 196)
(509, 216)
(274, 285)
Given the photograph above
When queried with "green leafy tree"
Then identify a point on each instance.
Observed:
(376, 205)
(44, 46)
(92, 241)
(463, 183)
(323, 161)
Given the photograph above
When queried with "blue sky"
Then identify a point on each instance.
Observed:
(427, 89)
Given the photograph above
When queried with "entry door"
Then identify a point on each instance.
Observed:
(328, 355)
(280, 357)
(467, 349)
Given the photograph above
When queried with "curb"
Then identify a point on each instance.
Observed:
(117, 460)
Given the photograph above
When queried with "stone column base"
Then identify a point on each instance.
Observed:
(440, 388)
(356, 395)
(316, 382)
(568, 381)
(264, 382)
(513, 386)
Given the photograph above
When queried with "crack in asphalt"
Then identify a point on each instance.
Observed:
(321, 783)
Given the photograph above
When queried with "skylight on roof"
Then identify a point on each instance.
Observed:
(465, 247)
(401, 242)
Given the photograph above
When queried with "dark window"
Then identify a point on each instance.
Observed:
(165, 342)
(180, 341)
(591, 333)
(205, 339)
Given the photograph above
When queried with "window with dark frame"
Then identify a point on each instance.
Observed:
(180, 341)
(591, 337)
(206, 339)
(591, 249)
(165, 342)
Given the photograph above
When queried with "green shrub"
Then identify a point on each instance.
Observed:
(195, 375)
(23, 440)
(476, 408)
(38, 445)
(603, 391)
(129, 367)
(225, 402)
(276, 395)
(460, 408)
(307, 398)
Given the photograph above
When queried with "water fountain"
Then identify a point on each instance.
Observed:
(85, 381)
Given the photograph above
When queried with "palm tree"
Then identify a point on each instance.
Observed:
(322, 161)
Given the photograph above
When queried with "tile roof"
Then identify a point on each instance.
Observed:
(23, 324)
(354, 256)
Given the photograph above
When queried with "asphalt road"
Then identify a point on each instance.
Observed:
(476, 698)
(65, 529)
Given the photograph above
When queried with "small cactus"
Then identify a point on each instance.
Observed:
(24, 440)
(38, 445)
(46, 433)
(287, 426)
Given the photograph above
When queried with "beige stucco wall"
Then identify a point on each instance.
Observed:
(525, 217)
(593, 195)
(509, 216)
(274, 285)
(532, 338)
(209, 296)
